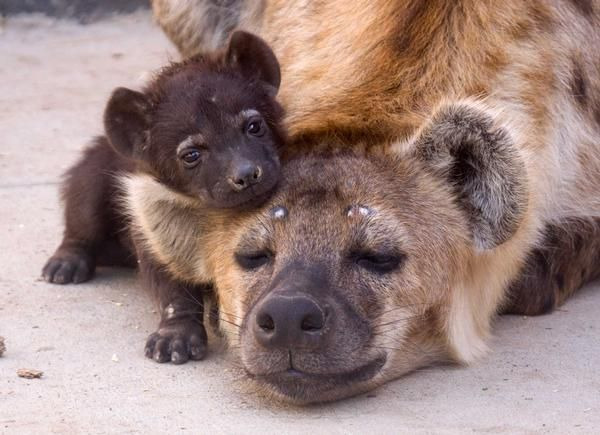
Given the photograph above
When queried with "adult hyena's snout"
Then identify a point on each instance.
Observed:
(291, 320)
(305, 337)
(294, 315)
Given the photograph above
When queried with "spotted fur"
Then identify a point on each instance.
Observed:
(408, 203)
(375, 78)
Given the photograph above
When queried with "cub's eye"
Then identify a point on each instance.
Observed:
(255, 127)
(253, 260)
(190, 157)
(378, 263)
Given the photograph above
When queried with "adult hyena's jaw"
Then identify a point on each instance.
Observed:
(298, 388)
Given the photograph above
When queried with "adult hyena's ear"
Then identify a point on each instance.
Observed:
(468, 146)
(127, 121)
(254, 59)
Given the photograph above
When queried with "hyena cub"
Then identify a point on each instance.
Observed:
(208, 129)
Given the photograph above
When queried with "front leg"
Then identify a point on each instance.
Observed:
(181, 335)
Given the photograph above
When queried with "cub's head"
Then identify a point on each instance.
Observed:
(359, 269)
(207, 127)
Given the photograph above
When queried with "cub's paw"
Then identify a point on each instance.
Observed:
(177, 342)
(69, 266)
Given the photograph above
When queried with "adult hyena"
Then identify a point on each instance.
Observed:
(367, 77)
(362, 267)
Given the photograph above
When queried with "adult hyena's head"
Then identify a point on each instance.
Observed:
(360, 269)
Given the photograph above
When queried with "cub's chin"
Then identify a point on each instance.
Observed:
(252, 197)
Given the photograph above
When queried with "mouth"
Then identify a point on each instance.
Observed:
(255, 199)
(249, 199)
(317, 387)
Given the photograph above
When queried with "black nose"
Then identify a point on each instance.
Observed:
(290, 322)
(244, 174)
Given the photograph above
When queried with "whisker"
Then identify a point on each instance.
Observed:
(230, 322)
(402, 307)
(402, 319)
(230, 315)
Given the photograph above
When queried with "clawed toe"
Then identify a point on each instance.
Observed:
(177, 343)
(68, 268)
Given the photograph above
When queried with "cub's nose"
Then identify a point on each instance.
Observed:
(244, 174)
(290, 322)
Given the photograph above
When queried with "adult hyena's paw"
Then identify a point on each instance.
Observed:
(178, 343)
(69, 266)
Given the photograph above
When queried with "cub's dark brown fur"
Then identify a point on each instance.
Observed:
(207, 128)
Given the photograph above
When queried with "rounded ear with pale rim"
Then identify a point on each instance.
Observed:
(127, 121)
(253, 57)
(466, 146)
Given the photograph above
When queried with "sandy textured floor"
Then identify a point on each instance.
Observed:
(542, 375)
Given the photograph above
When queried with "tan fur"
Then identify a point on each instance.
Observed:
(148, 205)
(368, 76)
(449, 288)
(374, 68)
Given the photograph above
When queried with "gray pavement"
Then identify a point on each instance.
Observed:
(540, 377)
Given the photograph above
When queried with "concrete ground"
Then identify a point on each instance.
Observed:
(541, 376)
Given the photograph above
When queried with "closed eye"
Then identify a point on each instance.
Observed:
(377, 262)
(253, 260)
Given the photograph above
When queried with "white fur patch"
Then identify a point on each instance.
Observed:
(170, 311)
(360, 210)
(248, 113)
(188, 142)
(278, 212)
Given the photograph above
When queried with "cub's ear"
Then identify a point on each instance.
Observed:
(471, 150)
(127, 121)
(254, 59)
